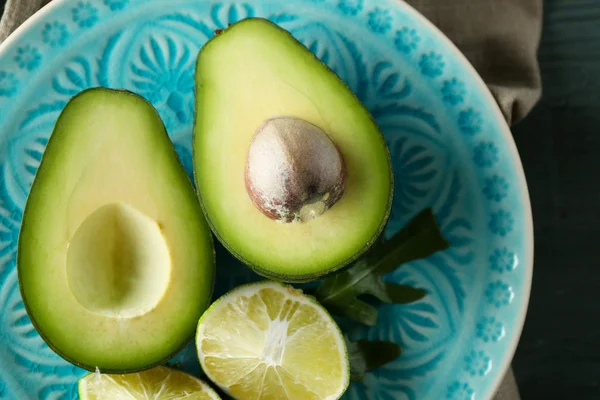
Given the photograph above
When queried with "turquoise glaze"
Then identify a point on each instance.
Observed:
(450, 146)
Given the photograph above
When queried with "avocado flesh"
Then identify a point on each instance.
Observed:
(115, 259)
(253, 71)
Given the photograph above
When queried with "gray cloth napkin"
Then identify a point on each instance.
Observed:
(499, 37)
(15, 13)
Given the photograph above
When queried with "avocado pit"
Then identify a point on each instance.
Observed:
(294, 172)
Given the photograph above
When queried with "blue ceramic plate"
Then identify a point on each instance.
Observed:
(450, 145)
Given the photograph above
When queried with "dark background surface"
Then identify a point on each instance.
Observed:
(559, 142)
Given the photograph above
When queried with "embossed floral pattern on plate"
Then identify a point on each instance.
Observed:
(449, 146)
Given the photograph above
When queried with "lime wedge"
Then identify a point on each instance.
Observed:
(270, 341)
(159, 383)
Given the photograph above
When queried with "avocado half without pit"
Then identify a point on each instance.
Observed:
(293, 173)
(115, 259)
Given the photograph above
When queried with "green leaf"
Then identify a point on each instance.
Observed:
(367, 356)
(401, 294)
(340, 292)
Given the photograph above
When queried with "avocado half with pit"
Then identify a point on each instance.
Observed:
(115, 259)
(293, 173)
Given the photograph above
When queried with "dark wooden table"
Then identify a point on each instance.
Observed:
(559, 353)
(559, 143)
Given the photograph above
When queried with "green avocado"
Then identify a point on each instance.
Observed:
(271, 120)
(115, 258)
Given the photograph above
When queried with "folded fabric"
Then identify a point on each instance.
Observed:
(500, 38)
(15, 13)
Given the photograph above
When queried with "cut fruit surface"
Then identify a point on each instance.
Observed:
(269, 341)
(115, 258)
(254, 73)
(159, 383)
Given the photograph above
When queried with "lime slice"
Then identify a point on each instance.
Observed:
(270, 341)
(159, 383)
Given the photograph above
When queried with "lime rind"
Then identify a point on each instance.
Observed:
(117, 392)
(290, 292)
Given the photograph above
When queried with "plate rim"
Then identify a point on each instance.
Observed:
(524, 194)
(528, 232)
